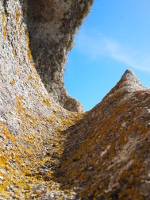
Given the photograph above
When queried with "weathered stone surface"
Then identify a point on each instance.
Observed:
(106, 154)
(52, 25)
(30, 119)
(46, 151)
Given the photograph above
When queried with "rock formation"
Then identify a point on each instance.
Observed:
(110, 146)
(46, 150)
(52, 25)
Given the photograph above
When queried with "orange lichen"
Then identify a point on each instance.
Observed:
(16, 70)
(30, 77)
(8, 136)
(3, 24)
(17, 15)
(89, 151)
(2, 162)
(22, 98)
(13, 81)
(28, 49)
(19, 106)
(14, 53)
(45, 101)
(5, 130)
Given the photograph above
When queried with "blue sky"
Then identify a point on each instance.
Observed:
(113, 38)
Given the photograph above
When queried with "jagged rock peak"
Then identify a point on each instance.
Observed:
(129, 82)
(130, 76)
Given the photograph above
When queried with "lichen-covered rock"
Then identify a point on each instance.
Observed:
(52, 25)
(46, 151)
(106, 154)
(30, 119)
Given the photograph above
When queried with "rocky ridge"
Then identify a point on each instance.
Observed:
(110, 146)
(48, 152)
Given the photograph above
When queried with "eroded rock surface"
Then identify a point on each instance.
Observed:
(106, 154)
(29, 117)
(52, 25)
(46, 151)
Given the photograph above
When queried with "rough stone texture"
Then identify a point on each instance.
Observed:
(106, 154)
(48, 152)
(52, 25)
(30, 119)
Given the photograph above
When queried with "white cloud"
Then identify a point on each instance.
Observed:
(95, 45)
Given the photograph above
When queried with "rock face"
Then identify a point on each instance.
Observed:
(52, 25)
(46, 151)
(106, 154)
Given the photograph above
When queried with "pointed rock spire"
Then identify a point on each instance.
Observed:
(128, 82)
(130, 76)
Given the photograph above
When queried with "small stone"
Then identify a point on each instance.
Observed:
(123, 124)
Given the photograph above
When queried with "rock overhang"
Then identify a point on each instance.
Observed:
(52, 25)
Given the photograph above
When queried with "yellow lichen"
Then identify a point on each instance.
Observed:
(13, 81)
(16, 70)
(19, 106)
(45, 101)
(30, 77)
(9, 136)
(28, 49)
(14, 53)
(3, 24)
(17, 15)
(2, 162)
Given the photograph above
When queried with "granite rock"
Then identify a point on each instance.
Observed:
(52, 25)
(46, 150)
